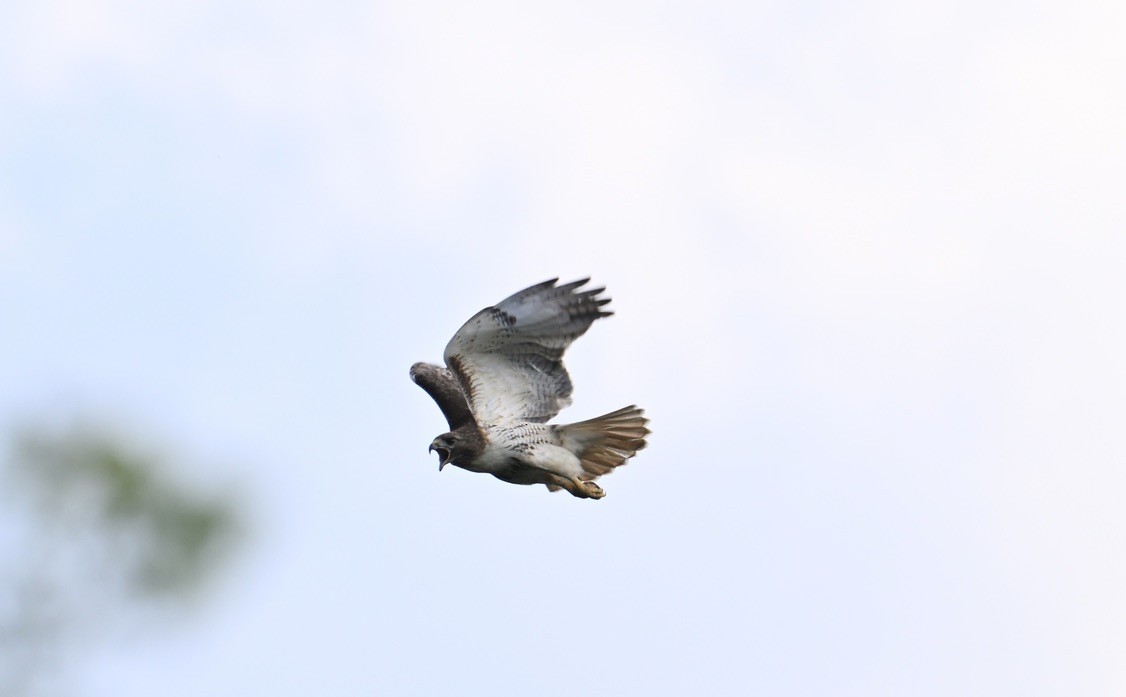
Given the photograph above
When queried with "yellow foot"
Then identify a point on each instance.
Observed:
(592, 490)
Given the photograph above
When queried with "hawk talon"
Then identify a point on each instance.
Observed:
(591, 490)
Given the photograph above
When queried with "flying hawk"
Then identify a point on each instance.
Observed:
(506, 379)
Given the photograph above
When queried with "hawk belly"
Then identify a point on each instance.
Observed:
(513, 459)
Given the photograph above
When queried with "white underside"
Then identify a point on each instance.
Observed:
(500, 450)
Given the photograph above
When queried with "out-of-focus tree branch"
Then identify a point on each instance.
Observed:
(94, 530)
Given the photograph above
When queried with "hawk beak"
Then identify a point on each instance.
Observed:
(443, 453)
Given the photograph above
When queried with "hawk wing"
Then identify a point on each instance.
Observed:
(509, 358)
(444, 389)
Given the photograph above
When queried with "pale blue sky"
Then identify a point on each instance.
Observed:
(867, 263)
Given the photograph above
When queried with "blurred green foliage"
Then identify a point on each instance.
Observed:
(95, 529)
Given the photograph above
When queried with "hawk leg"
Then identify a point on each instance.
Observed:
(592, 490)
(577, 487)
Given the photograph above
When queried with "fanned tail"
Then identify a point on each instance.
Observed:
(607, 441)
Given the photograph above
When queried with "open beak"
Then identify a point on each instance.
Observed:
(443, 454)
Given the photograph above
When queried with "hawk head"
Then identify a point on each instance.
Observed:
(451, 446)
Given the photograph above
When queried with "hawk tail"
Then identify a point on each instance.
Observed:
(607, 441)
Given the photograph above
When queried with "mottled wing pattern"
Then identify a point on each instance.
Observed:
(445, 390)
(509, 358)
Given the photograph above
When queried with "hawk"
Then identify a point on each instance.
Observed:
(505, 380)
